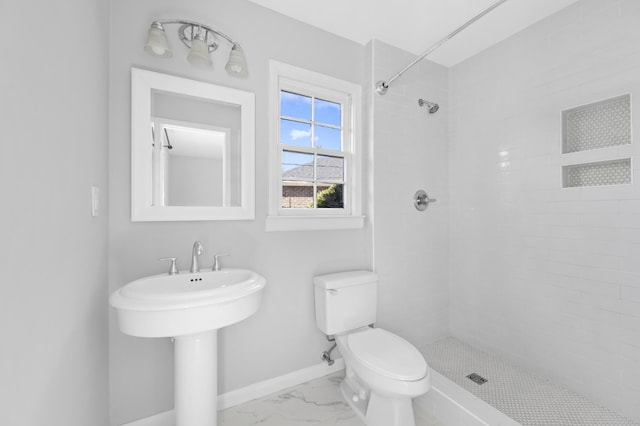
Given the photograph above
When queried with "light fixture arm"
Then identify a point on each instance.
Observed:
(158, 23)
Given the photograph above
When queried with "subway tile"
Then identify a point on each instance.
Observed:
(585, 259)
(586, 207)
(599, 289)
(631, 294)
(630, 377)
(626, 278)
(630, 263)
(631, 207)
(623, 307)
(631, 353)
(631, 221)
(630, 330)
(599, 11)
(631, 235)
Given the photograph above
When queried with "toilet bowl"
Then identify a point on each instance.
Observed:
(383, 371)
(386, 370)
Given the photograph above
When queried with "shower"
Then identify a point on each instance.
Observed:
(432, 106)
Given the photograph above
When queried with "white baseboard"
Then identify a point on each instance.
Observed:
(267, 387)
(251, 392)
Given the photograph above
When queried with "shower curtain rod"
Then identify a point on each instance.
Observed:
(382, 85)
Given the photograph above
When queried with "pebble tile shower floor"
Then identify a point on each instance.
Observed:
(529, 399)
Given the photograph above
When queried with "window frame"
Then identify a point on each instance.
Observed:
(285, 77)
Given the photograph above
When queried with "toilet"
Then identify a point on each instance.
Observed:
(383, 371)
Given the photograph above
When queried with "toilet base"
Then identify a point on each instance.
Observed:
(379, 411)
(359, 406)
(389, 412)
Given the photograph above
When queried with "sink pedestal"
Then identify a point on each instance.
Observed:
(196, 379)
(191, 308)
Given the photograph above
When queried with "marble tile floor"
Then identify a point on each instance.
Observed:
(317, 403)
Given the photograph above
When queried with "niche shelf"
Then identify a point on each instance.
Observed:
(615, 172)
(597, 125)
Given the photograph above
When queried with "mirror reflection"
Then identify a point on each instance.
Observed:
(191, 164)
(195, 145)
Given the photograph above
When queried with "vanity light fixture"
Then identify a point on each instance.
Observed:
(201, 41)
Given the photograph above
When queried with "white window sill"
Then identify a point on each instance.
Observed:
(315, 223)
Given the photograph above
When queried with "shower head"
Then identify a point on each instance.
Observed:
(433, 107)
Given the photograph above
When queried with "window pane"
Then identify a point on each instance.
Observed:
(327, 112)
(296, 165)
(330, 168)
(294, 133)
(295, 106)
(330, 196)
(328, 138)
(297, 194)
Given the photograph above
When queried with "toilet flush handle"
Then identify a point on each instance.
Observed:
(333, 291)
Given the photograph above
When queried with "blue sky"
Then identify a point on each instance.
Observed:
(296, 133)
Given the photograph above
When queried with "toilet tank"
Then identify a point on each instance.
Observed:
(345, 301)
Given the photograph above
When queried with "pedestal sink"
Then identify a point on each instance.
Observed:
(190, 307)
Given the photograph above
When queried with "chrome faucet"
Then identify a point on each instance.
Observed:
(197, 251)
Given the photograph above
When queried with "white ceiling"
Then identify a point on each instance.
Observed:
(415, 25)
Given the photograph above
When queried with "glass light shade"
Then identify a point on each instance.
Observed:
(237, 63)
(157, 43)
(199, 53)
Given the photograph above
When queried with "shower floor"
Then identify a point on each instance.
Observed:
(529, 399)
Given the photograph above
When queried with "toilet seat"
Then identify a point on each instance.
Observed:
(387, 354)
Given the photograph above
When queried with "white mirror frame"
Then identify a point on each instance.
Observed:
(142, 208)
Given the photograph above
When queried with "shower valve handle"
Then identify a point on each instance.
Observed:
(421, 200)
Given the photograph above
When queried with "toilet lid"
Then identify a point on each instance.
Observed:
(388, 354)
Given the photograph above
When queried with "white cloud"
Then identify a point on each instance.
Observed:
(295, 134)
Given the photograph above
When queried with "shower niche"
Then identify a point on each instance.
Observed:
(596, 144)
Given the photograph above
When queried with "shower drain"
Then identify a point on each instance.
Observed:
(476, 378)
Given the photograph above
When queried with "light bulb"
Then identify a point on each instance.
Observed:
(237, 63)
(157, 42)
(158, 50)
(199, 53)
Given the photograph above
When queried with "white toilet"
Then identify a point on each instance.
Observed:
(383, 371)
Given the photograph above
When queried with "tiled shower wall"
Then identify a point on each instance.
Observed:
(410, 152)
(544, 275)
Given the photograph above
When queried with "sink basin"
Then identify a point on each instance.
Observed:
(187, 303)
(190, 307)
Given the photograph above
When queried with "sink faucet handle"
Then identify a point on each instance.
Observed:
(173, 269)
(217, 265)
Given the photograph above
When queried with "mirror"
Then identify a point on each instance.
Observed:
(192, 149)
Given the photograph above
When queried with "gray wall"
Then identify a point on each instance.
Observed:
(547, 276)
(282, 336)
(53, 116)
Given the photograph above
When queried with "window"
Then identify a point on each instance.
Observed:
(315, 155)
